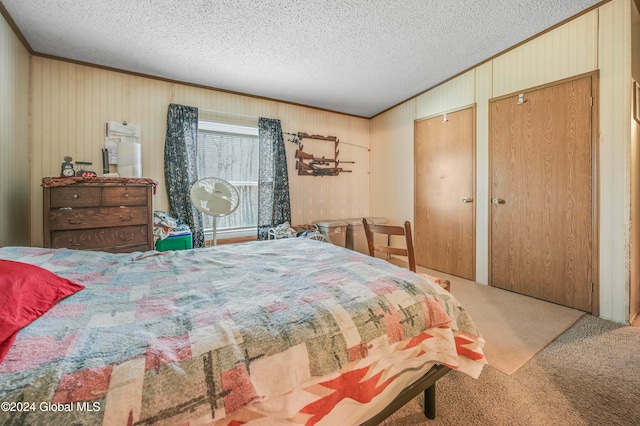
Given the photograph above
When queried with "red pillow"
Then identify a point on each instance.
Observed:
(26, 293)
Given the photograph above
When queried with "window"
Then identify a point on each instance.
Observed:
(230, 152)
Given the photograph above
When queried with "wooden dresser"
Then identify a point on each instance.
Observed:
(108, 214)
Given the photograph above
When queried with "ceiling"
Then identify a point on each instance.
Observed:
(357, 57)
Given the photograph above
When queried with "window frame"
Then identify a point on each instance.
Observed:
(212, 126)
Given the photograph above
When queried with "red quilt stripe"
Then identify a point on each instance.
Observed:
(460, 341)
(348, 385)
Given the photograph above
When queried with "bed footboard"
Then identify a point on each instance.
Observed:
(426, 383)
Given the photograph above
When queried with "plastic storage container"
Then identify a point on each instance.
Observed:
(175, 242)
(335, 230)
(356, 240)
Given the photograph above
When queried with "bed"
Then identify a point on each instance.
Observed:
(291, 331)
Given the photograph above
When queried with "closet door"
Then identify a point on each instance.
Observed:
(444, 193)
(541, 191)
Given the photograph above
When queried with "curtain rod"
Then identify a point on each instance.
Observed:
(227, 113)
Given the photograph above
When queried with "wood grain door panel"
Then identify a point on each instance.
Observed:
(541, 167)
(444, 176)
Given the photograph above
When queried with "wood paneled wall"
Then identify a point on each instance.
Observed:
(391, 166)
(634, 282)
(14, 139)
(614, 63)
(597, 40)
(71, 103)
(564, 52)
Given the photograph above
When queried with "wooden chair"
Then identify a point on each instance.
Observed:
(370, 231)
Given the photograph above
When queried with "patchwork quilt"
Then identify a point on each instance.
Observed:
(291, 331)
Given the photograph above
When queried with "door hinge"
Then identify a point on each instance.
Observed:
(591, 287)
(591, 101)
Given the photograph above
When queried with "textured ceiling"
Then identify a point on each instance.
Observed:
(354, 56)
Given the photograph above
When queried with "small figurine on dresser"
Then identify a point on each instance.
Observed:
(67, 167)
(85, 173)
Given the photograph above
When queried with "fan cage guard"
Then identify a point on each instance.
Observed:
(217, 189)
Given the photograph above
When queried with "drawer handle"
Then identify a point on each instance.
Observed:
(76, 196)
(71, 243)
(124, 238)
(126, 195)
(76, 221)
(126, 219)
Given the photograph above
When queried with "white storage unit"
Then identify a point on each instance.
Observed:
(356, 240)
(335, 230)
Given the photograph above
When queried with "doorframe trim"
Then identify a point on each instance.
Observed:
(474, 160)
(595, 177)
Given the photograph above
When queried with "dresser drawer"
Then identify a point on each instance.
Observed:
(104, 217)
(128, 249)
(108, 239)
(124, 196)
(78, 196)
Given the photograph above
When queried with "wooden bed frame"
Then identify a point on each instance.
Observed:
(426, 383)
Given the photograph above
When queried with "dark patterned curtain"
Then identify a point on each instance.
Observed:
(274, 206)
(180, 167)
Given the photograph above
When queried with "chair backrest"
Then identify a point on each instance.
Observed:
(370, 230)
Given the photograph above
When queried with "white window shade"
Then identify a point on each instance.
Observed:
(230, 152)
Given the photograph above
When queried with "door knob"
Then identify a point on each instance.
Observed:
(467, 200)
(497, 201)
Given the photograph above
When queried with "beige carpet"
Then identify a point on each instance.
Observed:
(515, 327)
(588, 376)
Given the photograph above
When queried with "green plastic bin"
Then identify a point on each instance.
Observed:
(175, 242)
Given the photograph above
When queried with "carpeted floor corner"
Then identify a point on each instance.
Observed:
(515, 327)
(589, 375)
